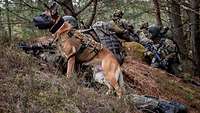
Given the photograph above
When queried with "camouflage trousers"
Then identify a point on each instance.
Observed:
(155, 105)
(56, 59)
(142, 102)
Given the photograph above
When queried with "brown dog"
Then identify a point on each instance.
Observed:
(70, 41)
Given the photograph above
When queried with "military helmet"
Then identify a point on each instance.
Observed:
(71, 20)
(154, 31)
(118, 13)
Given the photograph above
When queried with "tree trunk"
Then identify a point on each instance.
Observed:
(178, 35)
(195, 33)
(1, 24)
(157, 9)
(8, 20)
(68, 8)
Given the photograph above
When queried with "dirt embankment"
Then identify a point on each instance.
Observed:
(29, 85)
(154, 82)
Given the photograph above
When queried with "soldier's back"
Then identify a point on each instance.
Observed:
(109, 39)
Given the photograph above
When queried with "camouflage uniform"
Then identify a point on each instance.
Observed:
(143, 31)
(46, 52)
(109, 34)
(169, 54)
(166, 49)
(155, 105)
(122, 27)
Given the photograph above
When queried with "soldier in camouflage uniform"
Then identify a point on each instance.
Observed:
(110, 34)
(166, 56)
(122, 27)
(109, 39)
(143, 31)
(149, 104)
(45, 49)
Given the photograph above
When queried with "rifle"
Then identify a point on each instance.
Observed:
(133, 36)
(153, 49)
(130, 35)
(36, 48)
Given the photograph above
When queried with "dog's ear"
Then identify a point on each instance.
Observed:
(54, 8)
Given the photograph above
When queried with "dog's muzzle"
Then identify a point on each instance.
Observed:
(43, 21)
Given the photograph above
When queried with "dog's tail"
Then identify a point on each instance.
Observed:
(120, 78)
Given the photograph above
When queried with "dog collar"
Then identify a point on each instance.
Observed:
(57, 25)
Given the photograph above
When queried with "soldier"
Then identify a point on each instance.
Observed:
(45, 49)
(109, 39)
(122, 27)
(143, 31)
(110, 33)
(165, 51)
(151, 104)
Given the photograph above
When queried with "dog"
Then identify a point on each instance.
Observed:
(77, 46)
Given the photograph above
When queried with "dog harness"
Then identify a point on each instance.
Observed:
(88, 49)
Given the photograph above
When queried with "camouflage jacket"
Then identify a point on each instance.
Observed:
(124, 30)
(167, 52)
(167, 49)
(122, 24)
(144, 38)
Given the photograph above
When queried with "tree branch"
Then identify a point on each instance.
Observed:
(93, 14)
(65, 5)
(17, 15)
(157, 9)
(30, 5)
(189, 9)
(81, 10)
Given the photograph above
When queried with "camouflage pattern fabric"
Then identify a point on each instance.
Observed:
(167, 51)
(143, 31)
(109, 39)
(149, 104)
(122, 27)
(144, 38)
(124, 30)
(47, 53)
(142, 102)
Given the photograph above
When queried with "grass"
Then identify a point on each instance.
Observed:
(26, 86)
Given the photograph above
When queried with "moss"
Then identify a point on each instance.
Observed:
(134, 49)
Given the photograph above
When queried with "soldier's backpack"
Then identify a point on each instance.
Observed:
(109, 39)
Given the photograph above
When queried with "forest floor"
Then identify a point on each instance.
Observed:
(29, 85)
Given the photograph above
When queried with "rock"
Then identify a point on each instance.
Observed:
(134, 50)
